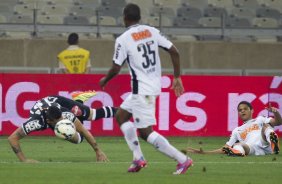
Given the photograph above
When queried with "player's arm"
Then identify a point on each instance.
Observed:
(100, 155)
(277, 120)
(232, 140)
(62, 67)
(201, 151)
(88, 67)
(114, 70)
(14, 140)
(177, 85)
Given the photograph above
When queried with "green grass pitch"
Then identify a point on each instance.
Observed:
(65, 163)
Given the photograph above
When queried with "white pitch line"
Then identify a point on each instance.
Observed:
(152, 162)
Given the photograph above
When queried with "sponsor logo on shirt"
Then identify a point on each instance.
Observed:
(141, 35)
(76, 111)
(248, 130)
(32, 125)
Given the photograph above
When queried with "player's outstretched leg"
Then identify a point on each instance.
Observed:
(162, 145)
(274, 142)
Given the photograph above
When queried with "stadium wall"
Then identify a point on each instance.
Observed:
(197, 55)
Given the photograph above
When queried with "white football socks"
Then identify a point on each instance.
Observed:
(130, 135)
(165, 147)
(103, 112)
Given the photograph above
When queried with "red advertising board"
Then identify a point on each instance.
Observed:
(207, 108)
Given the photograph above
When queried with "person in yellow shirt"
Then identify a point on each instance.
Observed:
(74, 59)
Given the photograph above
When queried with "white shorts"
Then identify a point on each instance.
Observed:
(259, 147)
(142, 108)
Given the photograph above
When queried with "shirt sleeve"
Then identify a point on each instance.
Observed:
(120, 53)
(33, 124)
(264, 119)
(233, 138)
(163, 41)
(68, 115)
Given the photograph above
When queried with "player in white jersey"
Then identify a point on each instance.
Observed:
(254, 137)
(138, 46)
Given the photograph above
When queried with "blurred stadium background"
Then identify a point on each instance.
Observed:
(215, 37)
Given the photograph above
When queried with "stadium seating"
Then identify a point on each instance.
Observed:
(113, 3)
(24, 9)
(195, 3)
(167, 11)
(237, 22)
(265, 22)
(3, 19)
(247, 3)
(275, 4)
(83, 11)
(158, 21)
(221, 3)
(76, 20)
(50, 19)
(21, 19)
(215, 12)
(268, 12)
(87, 2)
(210, 22)
(167, 3)
(4, 9)
(110, 11)
(243, 12)
(107, 21)
(54, 10)
(199, 14)
(185, 22)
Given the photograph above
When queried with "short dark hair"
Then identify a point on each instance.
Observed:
(132, 12)
(53, 113)
(73, 39)
(246, 103)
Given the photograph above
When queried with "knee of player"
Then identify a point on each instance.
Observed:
(144, 135)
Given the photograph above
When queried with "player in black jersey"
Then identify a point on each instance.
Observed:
(49, 110)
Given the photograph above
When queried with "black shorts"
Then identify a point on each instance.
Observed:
(82, 112)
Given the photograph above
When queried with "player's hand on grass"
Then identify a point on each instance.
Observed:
(193, 150)
(101, 156)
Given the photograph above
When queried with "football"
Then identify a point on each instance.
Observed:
(65, 129)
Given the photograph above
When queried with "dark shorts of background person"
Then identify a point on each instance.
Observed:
(81, 111)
